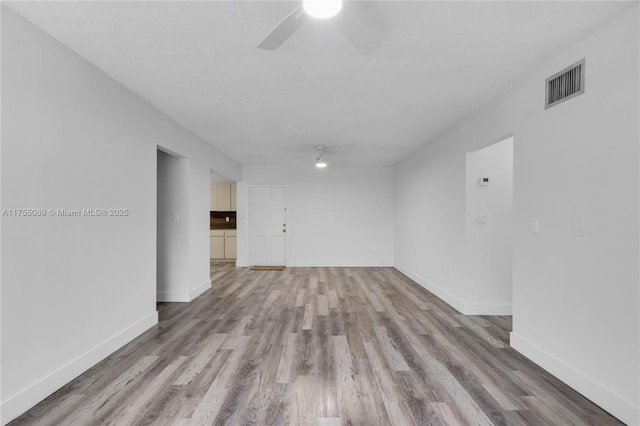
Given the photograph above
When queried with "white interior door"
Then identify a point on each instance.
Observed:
(267, 225)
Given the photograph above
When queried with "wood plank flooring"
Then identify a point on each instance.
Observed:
(317, 346)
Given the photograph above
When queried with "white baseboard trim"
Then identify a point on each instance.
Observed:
(449, 298)
(614, 403)
(173, 296)
(244, 263)
(461, 306)
(339, 263)
(199, 290)
(17, 404)
(488, 309)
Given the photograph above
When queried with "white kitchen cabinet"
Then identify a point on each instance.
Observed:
(223, 197)
(223, 244)
(233, 197)
(213, 197)
(216, 247)
(230, 247)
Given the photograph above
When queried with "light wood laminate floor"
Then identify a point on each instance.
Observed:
(317, 346)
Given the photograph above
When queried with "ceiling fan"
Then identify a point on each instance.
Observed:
(354, 30)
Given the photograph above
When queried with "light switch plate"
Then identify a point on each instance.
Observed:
(535, 226)
(578, 228)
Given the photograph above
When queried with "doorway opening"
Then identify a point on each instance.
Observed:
(223, 249)
(489, 227)
(172, 227)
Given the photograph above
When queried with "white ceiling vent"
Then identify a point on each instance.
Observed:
(565, 84)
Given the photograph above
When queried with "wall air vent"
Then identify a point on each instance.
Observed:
(565, 85)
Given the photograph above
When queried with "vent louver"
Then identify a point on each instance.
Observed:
(565, 85)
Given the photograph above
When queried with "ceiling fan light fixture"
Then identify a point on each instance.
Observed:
(322, 9)
(320, 161)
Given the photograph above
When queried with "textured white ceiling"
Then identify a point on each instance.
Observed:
(198, 62)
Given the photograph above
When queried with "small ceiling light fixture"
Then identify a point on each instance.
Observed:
(320, 161)
(322, 8)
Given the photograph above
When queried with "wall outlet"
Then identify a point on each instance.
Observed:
(578, 228)
(481, 220)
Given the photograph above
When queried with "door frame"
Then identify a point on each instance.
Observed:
(286, 208)
(173, 270)
(503, 307)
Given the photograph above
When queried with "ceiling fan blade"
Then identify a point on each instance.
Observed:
(358, 34)
(284, 29)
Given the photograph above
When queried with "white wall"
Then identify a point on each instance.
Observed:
(1, 9)
(340, 216)
(217, 178)
(430, 219)
(575, 299)
(490, 245)
(77, 288)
